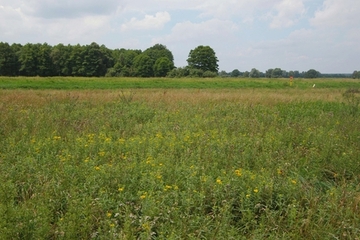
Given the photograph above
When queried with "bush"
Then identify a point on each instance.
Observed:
(196, 72)
(209, 74)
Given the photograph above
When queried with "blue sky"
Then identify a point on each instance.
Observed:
(262, 34)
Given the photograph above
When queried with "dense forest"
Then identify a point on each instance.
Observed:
(89, 61)
(96, 60)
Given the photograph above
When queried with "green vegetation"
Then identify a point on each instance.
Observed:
(199, 83)
(179, 163)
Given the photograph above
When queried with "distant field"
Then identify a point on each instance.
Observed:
(84, 158)
(198, 83)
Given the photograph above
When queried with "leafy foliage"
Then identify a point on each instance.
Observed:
(162, 66)
(312, 73)
(203, 58)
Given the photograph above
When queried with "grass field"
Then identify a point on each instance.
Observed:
(73, 83)
(192, 163)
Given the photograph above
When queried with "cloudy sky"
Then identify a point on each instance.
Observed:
(245, 34)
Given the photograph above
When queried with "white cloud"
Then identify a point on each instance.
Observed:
(287, 13)
(337, 13)
(187, 35)
(149, 22)
(244, 34)
(16, 26)
(203, 31)
(69, 8)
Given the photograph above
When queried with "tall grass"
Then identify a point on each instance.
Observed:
(179, 164)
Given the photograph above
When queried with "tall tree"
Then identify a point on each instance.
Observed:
(157, 51)
(9, 63)
(312, 73)
(203, 58)
(162, 66)
(143, 65)
(124, 62)
(235, 73)
(45, 64)
(254, 73)
(95, 60)
(268, 73)
(60, 56)
(29, 59)
(276, 73)
(356, 74)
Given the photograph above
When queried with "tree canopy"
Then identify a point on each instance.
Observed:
(312, 73)
(96, 60)
(203, 58)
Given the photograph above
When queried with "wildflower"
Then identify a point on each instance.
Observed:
(167, 187)
(101, 153)
(238, 172)
(143, 196)
(247, 195)
(256, 190)
(56, 137)
(146, 226)
(293, 181)
(108, 214)
(218, 181)
(97, 168)
(112, 225)
(120, 189)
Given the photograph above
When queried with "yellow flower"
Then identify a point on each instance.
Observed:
(256, 190)
(112, 225)
(218, 181)
(248, 195)
(120, 189)
(293, 181)
(238, 172)
(97, 168)
(101, 153)
(143, 196)
(108, 214)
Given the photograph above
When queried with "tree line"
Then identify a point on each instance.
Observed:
(94, 60)
(280, 73)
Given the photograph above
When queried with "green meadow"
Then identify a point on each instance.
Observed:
(82, 83)
(108, 158)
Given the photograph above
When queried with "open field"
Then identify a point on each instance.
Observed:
(193, 163)
(73, 83)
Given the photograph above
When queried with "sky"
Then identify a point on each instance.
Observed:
(245, 34)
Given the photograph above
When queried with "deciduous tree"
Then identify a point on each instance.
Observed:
(203, 58)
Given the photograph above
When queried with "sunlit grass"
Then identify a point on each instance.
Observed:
(73, 83)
